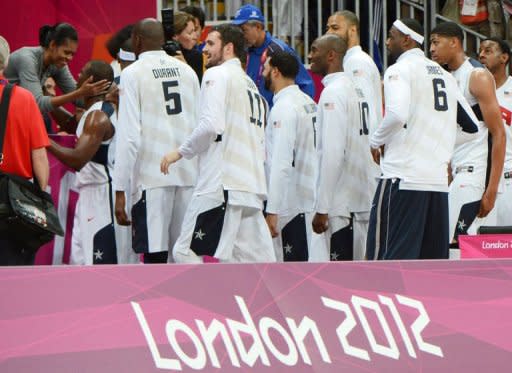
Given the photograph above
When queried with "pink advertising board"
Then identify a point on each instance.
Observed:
(444, 316)
(486, 246)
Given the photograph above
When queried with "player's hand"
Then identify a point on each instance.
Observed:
(169, 159)
(487, 203)
(272, 225)
(320, 223)
(377, 153)
(89, 88)
(121, 217)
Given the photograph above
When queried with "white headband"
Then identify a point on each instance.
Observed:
(126, 56)
(400, 26)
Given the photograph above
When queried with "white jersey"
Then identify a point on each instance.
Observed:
(94, 172)
(427, 105)
(365, 75)
(292, 161)
(229, 139)
(345, 182)
(472, 153)
(158, 110)
(504, 95)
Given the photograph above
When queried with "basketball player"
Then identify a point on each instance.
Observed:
(157, 108)
(477, 166)
(358, 64)
(292, 161)
(344, 187)
(224, 218)
(93, 239)
(414, 144)
(495, 55)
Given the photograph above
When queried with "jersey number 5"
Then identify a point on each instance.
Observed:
(174, 99)
(440, 99)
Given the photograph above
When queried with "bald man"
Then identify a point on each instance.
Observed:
(345, 188)
(158, 96)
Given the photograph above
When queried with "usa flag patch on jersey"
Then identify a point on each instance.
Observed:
(394, 77)
(277, 124)
(329, 106)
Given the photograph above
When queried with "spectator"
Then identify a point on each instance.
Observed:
(185, 35)
(24, 153)
(199, 19)
(261, 43)
(31, 66)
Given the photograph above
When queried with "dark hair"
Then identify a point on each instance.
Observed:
(114, 43)
(60, 33)
(285, 62)
(502, 44)
(449, 29)
(232, 34)
(196, 12)
(99, 70)
(350, 17)
(127, 45)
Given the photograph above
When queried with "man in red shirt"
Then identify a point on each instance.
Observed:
(24, 153)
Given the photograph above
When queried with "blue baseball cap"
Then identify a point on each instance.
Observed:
(248, 13)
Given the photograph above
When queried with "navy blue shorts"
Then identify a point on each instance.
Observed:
(407, 224)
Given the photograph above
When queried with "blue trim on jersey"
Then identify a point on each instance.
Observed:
(478, 112)
(476, 63)
(465, 121)
(107, 108)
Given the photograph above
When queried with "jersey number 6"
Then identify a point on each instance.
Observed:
(440, 99)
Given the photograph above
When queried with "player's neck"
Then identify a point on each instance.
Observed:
(457, 61)
(282, 84)
(500, 77)
(353, 42)
(89, 101)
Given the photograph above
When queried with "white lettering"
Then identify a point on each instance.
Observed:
(419, 325)
(344, 329)
(217, 328)
(160, 362)
(199, 362)
(300, 332)
(257, 350)
(392, 350)
(399, 323)
(292, 356)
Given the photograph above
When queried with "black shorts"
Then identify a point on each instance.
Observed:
(407, 224)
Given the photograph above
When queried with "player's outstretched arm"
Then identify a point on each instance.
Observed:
(97, 128)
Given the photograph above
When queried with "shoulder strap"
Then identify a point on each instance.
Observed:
(4, 108)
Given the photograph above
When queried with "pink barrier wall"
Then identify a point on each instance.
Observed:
(431, 316)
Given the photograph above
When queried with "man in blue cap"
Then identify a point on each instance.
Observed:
(261, 43)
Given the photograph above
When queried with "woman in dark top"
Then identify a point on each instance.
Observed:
(186, 36)
(30, 67)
